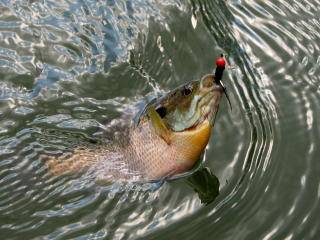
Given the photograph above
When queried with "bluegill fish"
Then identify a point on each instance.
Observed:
(167, 139)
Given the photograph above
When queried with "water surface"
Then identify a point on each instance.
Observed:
(71, 70)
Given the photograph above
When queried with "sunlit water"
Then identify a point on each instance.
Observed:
(71, 70)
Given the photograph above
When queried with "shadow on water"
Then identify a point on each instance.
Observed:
(205, 184)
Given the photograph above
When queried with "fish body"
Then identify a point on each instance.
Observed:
(168, 138)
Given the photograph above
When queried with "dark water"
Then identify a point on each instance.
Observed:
(67, 68)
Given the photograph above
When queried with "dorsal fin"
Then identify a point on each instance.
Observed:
(142, 112)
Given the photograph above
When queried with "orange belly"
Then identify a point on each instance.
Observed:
(146, 156)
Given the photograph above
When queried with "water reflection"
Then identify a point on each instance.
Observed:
(72, 66)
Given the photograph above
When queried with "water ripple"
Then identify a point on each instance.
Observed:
(71, 72)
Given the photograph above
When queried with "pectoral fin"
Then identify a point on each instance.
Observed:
(158, 125)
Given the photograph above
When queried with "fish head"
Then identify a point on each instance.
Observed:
(184, 117)
(191, 104)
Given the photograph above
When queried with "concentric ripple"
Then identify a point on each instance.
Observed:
(75, 72)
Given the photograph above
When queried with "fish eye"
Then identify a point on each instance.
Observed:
(187, 91)
(162, 111)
